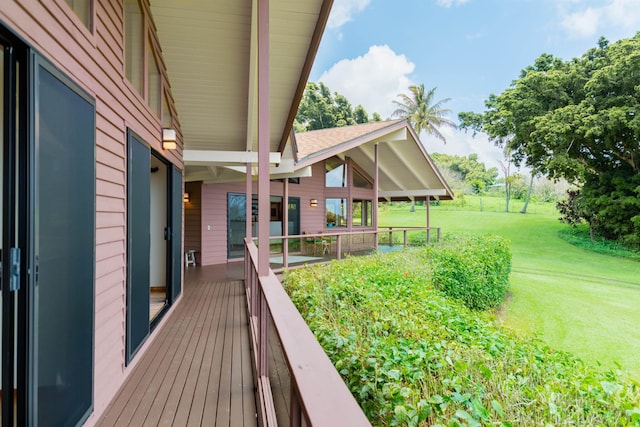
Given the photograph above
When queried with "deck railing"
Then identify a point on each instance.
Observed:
(318, 395)
(298, 250)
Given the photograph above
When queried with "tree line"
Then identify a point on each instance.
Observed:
(579, 120)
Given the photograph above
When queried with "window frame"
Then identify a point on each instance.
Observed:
(366, 213)
(340, 220)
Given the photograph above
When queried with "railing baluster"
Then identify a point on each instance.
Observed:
(295, 411)
(263, 343)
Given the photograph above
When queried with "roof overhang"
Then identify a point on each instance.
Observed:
(210, 52)
(405, 170)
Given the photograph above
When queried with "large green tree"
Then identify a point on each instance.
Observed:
(580, 120)
(471, 171)
(423, 111)
(321, 109)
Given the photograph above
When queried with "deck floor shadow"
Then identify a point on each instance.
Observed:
(197, 371)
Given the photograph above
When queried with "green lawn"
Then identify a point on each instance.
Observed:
(575, 300)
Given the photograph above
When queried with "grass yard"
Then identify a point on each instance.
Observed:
(575, 300)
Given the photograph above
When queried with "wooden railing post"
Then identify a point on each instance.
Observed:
(405, 238)
(428, 234)
(390, 236)
(438, 229)
(339, 247)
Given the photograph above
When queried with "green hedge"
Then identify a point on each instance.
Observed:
(412, 356)
(472, 269)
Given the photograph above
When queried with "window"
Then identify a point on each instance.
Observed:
(361, 181)
(134, 45)
(336, 212)
(362, 213)
(336, 173)
(141, 61)
(154, 81)
(82, 8)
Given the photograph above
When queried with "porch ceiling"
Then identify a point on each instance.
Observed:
(210, 56)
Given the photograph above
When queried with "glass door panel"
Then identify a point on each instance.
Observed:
(237, 220)
(64, 251)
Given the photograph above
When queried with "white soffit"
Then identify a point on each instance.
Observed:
(206, 46)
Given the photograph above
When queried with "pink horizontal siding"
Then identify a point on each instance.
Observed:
(95, 61)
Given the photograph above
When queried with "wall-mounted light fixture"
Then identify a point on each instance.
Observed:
(169, 139)
(313, 203)
(186, 197)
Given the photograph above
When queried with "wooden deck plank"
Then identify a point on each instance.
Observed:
(199, 360)
(119, 404)
(123, 409)
(223, 414)
(155, 396)
(189, 411)
(183, 366)
(210, 411)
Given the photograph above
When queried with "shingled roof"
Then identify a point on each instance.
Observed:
(405, 169)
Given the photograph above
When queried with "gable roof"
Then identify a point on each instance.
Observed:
(405, 169)
(313, 143)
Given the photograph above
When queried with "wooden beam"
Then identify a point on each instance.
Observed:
(414, 193)
(209, 157)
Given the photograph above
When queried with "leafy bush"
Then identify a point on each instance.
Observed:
(412, 356)
(472, 269)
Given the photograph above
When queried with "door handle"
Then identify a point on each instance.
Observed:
(14, 269)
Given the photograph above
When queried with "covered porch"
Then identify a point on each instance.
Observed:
(233, 352)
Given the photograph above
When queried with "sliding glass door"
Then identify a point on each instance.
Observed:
(154, 240)
(64, 250)
(48, 227)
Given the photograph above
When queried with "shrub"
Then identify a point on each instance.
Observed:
(472, 269)
(412, 356)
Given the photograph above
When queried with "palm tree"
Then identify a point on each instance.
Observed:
(422, 112)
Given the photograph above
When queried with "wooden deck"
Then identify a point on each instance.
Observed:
(198, 369)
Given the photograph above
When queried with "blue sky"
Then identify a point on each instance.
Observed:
(373, 50)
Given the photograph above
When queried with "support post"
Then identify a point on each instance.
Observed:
(285, 224)
(263, 138)
(427, 204)
(375, 196)
(249, 205)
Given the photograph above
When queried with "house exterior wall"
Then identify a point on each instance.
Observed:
(312, 219)
(94, 59)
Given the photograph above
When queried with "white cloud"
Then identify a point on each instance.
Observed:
(625, 13)
(584, 23)
(580, 21)
(449, 3)
(372, 80)
(342, 11)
